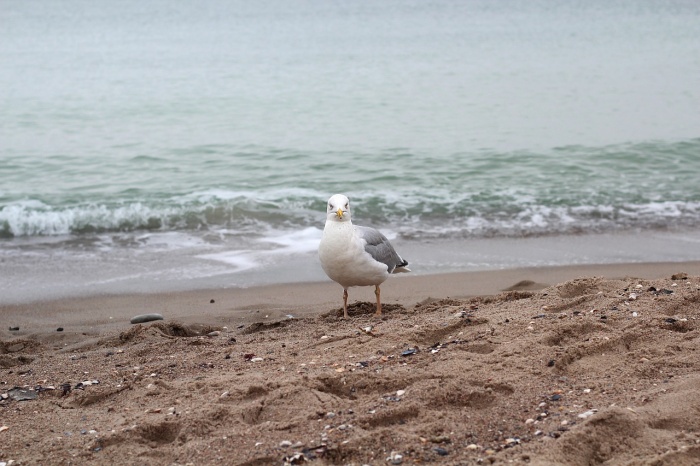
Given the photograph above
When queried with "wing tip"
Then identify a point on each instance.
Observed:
(402, 267)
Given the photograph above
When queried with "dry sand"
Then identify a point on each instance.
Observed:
(558, 370)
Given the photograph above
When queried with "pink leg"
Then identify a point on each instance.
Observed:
(345, 303)
(379, 301)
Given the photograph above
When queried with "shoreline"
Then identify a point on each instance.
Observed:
(45, 274)
(86, 316)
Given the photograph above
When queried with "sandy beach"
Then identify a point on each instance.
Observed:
(570, 365)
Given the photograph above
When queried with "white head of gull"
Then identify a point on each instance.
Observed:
(353, 255)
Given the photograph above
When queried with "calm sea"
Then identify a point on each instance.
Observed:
(166, 144)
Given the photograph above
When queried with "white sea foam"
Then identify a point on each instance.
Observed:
(268, 195)
(280, 247)
(295, 241)
(34, 218)
(30, 218)
(240, 260)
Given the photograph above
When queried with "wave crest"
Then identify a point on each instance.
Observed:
(506, 216)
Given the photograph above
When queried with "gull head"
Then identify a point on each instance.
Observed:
(338, 208)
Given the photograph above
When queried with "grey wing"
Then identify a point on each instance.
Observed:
(379, 247)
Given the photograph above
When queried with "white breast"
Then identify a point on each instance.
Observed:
(344, 259)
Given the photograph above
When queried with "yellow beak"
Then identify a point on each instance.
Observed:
(339, 213)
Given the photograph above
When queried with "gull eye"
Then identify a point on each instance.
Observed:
(347, 204)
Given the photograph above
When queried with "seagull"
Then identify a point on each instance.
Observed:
(353, 255)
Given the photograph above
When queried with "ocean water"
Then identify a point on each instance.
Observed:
(160, 145)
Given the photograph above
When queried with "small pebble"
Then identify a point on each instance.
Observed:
(215, 333)
(285, 444)
(400, 392)
(140, 319)
(22, 394)
(59, 329)
(14, 329)
(441, 451)
(472, 447)
(395, 458)
(587, 414)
